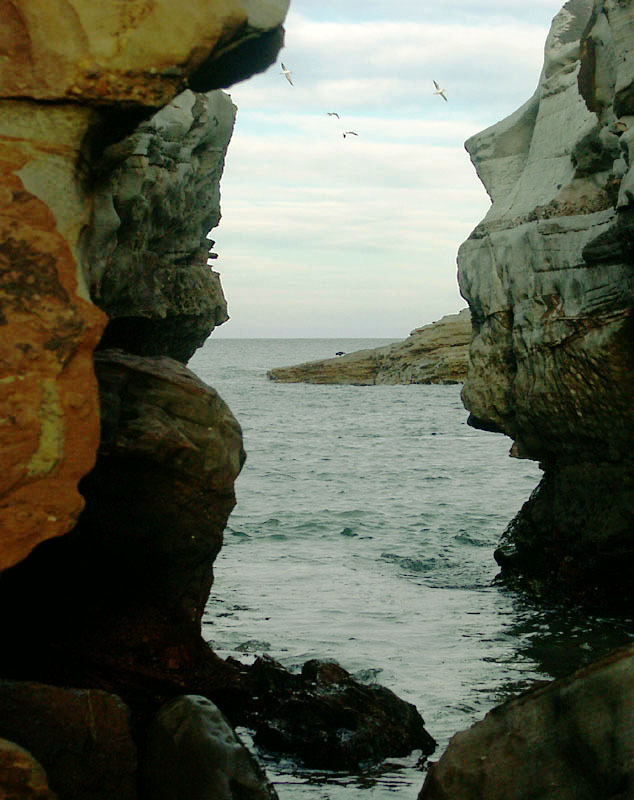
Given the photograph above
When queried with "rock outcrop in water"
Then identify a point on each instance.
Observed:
(570, 740)
(549, 278)
(435, 353)
(113, 141)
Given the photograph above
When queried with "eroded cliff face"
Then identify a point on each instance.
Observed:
(549, 277)
(113, 133)
(75, 78)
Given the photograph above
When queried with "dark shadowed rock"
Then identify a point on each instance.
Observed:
(81, 738)
(328, 719)
(125, 590)
(570, 740)
(192, 752)
(21, 776)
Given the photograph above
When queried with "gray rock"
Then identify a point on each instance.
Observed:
(570, 740)
(435, 353)
(146, 250)
(192, 752)
(21, 776)
(548, 277)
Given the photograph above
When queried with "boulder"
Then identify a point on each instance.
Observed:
(125, 590)
(435, 353)
(156, 199)
(327, 718)
(570, 739)
(21, 776)
(81, 738)
(192, 752)
(548, 275)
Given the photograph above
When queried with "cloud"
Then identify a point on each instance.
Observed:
(326, 236)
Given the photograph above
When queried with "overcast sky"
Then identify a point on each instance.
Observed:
(328, 236)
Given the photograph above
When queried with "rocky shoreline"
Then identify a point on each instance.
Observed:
(120, 463)
(436, 353)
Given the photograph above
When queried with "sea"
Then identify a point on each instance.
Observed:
(364, 532)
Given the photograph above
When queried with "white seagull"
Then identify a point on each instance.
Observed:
(350, 133)
(287, 74)
(333, 114)
(440, 91)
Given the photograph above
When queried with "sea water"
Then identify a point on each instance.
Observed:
(364, 532)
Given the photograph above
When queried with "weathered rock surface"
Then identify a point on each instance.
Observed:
(549, 278)
(571, 740)
(192, 752)
(49, 424)
(82, 739)
(125, 590)
(435, 353)
(136, 53)
(156, 199)
(74, 78)
(328, 719)
(21, 776)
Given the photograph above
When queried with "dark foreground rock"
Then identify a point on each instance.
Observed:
(192, 752)
(82, 739)
(435, 353)
(572, 739)
(328, 719)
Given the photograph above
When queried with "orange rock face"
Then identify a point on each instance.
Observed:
(124, 51)
(49, 423)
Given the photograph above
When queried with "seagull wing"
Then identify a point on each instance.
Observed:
(435, 84)
(443, 95)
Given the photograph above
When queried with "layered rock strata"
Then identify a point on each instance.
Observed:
(549, 278)
(570, 739)
(157, 196)
(435, 353)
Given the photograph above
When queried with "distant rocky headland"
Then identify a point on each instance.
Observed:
(436, 353)
(118, 463)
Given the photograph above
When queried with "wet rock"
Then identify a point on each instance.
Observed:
(81, 738)
(548, 278)
(327, 718)
(570, 739)
(435, 353)
(156, 199)
(21, 776)
(192, 752)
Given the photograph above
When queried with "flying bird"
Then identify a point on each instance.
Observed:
(350, 133)
(440, 91)
(333, 114)
(287, 74)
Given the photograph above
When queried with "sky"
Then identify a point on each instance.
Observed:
(326, 236)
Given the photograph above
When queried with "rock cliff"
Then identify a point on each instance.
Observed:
(113, 132)
(435, 353)
(548, 275)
